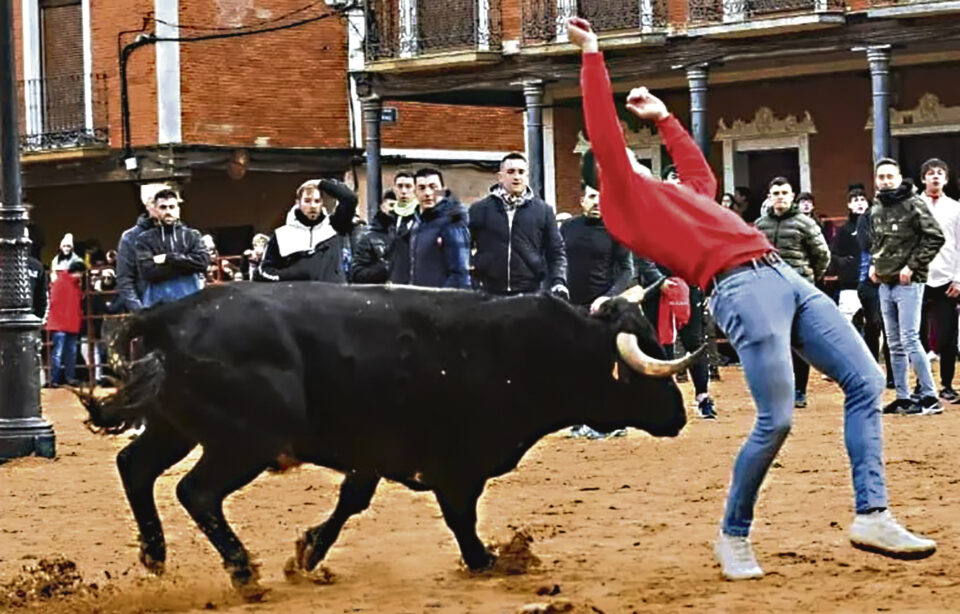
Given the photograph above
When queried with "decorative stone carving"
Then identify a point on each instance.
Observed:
(765, 125)
(637, 140)
(929, 113)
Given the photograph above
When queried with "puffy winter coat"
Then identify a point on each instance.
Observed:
(799, 241)
(516, 254)
(440, 247)
(903, 232)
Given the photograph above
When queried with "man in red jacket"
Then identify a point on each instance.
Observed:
(64, 324)
(756, 299)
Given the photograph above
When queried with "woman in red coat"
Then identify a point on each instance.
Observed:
(64, 323)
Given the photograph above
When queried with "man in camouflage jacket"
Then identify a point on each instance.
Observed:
(905, 237)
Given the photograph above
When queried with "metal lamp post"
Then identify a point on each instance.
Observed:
(23, 431)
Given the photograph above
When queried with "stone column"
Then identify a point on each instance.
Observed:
(372, 108)
(533, 94)
(697, 80)
(879, 58)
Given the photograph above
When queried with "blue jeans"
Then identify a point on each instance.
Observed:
(63, 357)
(901, 307)
(758, 309)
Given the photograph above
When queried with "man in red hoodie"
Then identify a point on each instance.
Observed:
(756, 299)
(64, 323)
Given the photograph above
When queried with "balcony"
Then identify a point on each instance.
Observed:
(740, 18)
(543, 20)
(414, 34)
(911, 8)
(63, 112)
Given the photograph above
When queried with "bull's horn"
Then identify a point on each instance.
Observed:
(636, 294)
(630, 351)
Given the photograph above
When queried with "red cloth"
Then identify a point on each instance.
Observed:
(674, 310)
(681, 228)
(66, 312)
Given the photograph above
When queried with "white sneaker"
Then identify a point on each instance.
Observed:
(880, 532)
(736, 558)
(933, 356)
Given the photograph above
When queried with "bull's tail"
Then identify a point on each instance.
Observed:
(137, 387)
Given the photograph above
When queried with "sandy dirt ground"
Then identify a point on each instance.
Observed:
(622, 525)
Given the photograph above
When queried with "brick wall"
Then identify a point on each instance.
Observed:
(428, 126)
(511, 15)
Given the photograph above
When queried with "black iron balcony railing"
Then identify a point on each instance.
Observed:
(412, 28)
(732, 11)
(63, 112)
(543, 19)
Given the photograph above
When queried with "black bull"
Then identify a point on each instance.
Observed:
(437, 390)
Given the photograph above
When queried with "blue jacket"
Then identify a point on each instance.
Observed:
(440, 247)
(130, 285)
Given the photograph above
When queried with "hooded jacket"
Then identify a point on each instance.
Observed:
(130, 285)
(846, 254)
(440, 246)
(383, 252)
(799, 241)
(186, 260)
(313, 250)
(518, 253)
(903, 232)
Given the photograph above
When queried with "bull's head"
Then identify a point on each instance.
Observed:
(651, 399)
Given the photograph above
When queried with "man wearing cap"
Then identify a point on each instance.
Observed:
(129, 284)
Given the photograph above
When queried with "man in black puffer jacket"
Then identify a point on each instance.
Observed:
(440, 239)
(801, 245)
(313, 246)
(519, 247)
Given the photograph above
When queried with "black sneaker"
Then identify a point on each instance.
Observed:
(895, 406)
(891, 385)
(799, 400)
(706, 408)
(949, 395)
(909, 408)
(930, 405)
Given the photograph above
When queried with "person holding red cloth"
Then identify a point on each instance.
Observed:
(757, 300)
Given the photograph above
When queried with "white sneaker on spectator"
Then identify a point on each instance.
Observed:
(880, 532)
(933, 356)
(735, 555)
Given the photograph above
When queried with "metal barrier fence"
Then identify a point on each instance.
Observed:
(93, 340)
(63, 112)
(409, 28)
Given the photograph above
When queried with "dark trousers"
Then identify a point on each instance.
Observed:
(941, 311)
(801, 373)
(691, 335)
(869, 295)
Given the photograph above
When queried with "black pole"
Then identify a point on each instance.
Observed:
(22, 429)
(879, 58)
(372, 108)
(697, 81)
(533, 94)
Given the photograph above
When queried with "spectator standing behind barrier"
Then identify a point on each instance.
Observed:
(440, 239)
(64, 323)
(904, 238)
(312, 245)
(254, 255)
(171, 257)
(518, 244)
(372, 258)
(801, 245)
(130, 284)
(64, 258)
(943, 282)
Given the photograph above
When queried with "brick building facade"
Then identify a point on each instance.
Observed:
(281, 100)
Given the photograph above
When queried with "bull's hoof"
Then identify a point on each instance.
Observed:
(310, 550)
(481, 563)
(252, 592)
(154, 561)
(294, 574)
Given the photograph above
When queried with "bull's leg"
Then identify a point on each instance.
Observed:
(459, 506)
(202, 491)
(140, 463)
(356, 491)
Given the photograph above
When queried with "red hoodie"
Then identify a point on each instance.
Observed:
(682, 228)
(66, 312)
